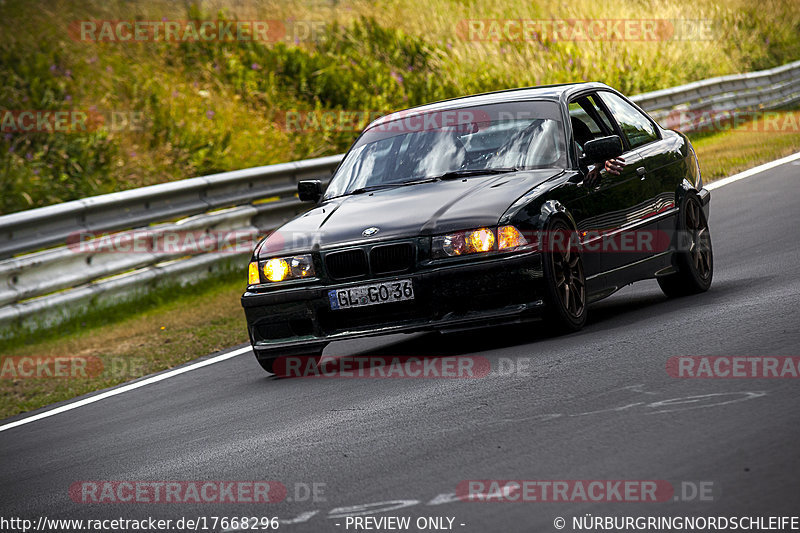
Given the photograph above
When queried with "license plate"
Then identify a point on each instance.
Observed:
(374, 294)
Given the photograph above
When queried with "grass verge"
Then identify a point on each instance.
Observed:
(723, 153)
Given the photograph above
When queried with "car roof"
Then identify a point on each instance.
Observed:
(557, 93)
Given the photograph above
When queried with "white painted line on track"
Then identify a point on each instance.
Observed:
(752, 172)
(125, 388)
(229, 355)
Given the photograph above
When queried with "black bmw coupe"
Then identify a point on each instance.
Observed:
(496, 208)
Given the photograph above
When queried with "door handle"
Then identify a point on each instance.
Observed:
(641, 172)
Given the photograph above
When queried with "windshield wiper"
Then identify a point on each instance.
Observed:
(453, 174)
(466, 172)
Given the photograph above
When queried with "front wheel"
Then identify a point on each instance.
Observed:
(565, 283)
(695, 257)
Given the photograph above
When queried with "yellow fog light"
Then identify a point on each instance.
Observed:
(252, 274)
(510, 237)
(480, 240)
(276, 269)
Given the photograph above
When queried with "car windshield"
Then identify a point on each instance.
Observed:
(435, 145)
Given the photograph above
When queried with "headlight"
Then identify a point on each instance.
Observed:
(479, 240)
(463, 242)
(276, 269)
(283, 268)
(509, 237)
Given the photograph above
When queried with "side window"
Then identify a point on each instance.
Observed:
(602, 114)
(635, 126)
(583, 114)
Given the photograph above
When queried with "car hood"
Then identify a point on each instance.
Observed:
(406, 211)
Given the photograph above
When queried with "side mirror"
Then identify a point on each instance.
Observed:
(309, 190)
(602, 149)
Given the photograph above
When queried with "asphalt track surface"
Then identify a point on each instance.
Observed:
(596, 405)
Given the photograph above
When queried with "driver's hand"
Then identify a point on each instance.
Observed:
(615, 166)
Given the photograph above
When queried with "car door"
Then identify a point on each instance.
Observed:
(609, 204)
(653, 190)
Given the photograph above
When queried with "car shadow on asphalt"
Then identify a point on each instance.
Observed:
(631, 308)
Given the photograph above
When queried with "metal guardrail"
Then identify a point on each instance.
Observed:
(708, 93)
(41, 287)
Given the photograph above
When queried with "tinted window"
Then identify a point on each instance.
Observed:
(603, 116)
(635, 126)
(577, 112)
(583, 114)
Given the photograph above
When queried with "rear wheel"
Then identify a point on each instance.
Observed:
(695, 257)
(565, 283)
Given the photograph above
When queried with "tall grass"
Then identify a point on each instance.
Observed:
(208, 107)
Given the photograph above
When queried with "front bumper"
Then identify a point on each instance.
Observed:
(485, 291)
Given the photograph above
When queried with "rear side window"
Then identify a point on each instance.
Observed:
(636, 127)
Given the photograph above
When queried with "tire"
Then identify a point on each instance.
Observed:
(694, 257)
(565, 282)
